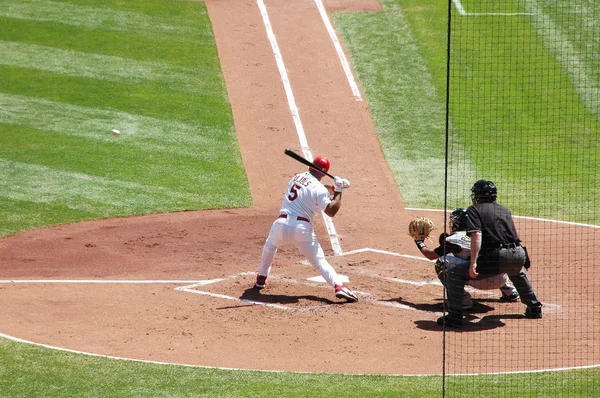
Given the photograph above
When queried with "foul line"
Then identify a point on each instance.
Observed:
(577, 224)
(339, 50)
(202, 282)
(285, 79)
(335, 243)
(191, 289)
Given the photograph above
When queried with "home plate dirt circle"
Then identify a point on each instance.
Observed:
(172, 288)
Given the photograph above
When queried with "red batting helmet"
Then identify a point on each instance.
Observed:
(322, 163)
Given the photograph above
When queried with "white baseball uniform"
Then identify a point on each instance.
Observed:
(304, 198)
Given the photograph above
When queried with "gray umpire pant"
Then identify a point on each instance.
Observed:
(507, 260)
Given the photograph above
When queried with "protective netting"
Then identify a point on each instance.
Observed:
(524, 112)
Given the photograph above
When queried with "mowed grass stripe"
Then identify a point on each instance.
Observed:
(104, 175)
(512, 102)
(210, 109)
(585, 79)
(40, 184)
(83, 15)
(147, 133)
(523, 109)
(406, 105)
(117, 160)
(102, 67)
(72, 71)
(200, 52)
(580, 21)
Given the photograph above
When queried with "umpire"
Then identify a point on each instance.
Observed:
(495, 249)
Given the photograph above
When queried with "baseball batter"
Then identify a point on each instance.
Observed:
(305, 197)
(458, 244)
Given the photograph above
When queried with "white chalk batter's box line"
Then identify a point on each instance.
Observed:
(193, 285)
(363, 295)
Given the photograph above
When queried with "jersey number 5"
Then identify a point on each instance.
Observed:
(294, 192)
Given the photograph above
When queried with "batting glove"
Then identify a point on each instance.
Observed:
(338, 184)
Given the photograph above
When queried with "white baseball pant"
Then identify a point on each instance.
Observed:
(300, 233)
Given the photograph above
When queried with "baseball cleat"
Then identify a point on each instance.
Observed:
(511, 298)
(261, 282)
(533, 312)
(341, 291)
(451, 320)
(509, 293)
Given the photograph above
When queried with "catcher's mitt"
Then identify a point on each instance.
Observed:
(420, 228)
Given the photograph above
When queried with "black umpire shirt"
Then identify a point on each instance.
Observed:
(497, 229)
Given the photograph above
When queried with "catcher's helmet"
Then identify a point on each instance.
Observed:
(322, 163)
(458, 220)
(484, 191)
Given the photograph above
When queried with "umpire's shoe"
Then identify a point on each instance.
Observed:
(510, 298)
(533, 311)
(451, 320)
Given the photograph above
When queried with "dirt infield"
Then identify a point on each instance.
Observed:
(176, 287)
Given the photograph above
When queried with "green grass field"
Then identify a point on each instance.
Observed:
(72, 70)
(523, 92)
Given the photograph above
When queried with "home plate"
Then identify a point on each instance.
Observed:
(319, 278)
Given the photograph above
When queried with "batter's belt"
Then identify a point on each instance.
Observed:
(299, 218)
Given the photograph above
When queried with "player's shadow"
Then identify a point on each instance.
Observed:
(468, 327)
(498, 318)
(256, 295)
(478, 306)
(471, 323)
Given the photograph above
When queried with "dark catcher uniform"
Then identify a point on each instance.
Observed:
(500, 252)
(501, 249)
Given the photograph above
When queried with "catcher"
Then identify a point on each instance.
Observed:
(458, 244)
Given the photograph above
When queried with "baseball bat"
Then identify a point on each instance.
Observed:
(299, 158)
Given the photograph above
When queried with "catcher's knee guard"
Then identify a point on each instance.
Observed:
(441, 270)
